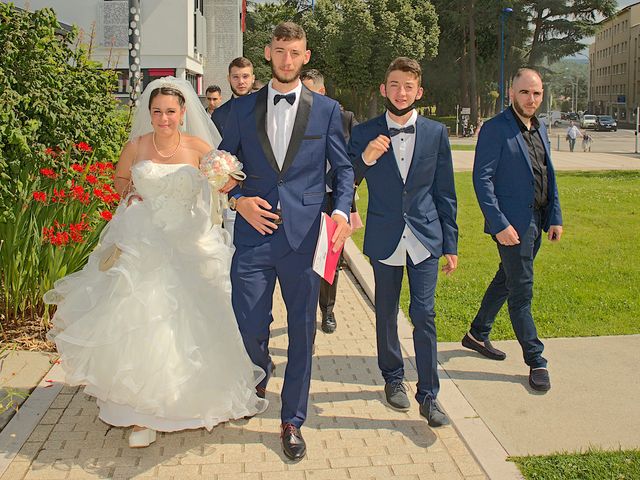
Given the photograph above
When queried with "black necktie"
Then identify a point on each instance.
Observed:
(395, 131)
(289, 97)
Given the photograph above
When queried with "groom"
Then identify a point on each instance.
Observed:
(283, 135)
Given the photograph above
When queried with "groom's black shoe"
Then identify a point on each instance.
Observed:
(485, 348)
(293, 444)
(261, 392)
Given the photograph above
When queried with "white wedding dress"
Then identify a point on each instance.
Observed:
(154, 338)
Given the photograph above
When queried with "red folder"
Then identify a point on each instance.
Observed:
(325, 260)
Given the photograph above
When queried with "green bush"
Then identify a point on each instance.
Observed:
(54, 103)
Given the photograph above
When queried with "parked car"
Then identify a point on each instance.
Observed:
(572, 116)
(605, 123)
(588, 121)
(551, 118)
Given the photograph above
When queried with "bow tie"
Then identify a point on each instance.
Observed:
(395, 131)
(289, 97)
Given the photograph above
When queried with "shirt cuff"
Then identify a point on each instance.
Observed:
(340, 212)
(365, 162)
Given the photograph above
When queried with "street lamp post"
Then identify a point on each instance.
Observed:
(503, 14)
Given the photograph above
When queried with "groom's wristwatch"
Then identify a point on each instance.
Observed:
(233, 202)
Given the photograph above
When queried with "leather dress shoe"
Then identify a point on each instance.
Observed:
(328, 323)
(485, 348)
(539, 379)
(293, 444)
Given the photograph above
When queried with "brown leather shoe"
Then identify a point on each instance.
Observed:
(293, 444)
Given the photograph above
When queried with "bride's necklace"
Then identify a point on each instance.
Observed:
(153, 139)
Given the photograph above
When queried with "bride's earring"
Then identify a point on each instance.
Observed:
(181, 122)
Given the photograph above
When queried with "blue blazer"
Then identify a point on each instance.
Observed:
(503, 177)
(300, 185)
(427, 202)
(220, 115)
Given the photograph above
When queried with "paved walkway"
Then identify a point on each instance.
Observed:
(463, 161)
(351, 433)
(593, 401)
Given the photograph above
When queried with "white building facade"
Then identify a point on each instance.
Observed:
(183, 38)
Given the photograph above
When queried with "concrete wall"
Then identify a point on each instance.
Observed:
(224, 41)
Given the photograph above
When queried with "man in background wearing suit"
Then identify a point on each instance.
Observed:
(314, 81)
(241, 80)
(411, 221)
(284, 135)
(214, 98)
(516, 188)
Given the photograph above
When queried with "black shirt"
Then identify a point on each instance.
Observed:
(538, 158)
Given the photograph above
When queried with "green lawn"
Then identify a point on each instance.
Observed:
(586, 285)
(592, 465)
(466, 147)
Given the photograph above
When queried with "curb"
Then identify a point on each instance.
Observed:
(24, 422)
(482, 444)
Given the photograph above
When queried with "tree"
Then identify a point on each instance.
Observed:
(261, 20)
(558, 26)
(355, 59)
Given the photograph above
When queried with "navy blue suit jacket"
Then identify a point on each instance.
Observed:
(220, 115)
(427, 202)
(300, 185)
(503, 177)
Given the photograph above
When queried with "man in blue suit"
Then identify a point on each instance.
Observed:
(411, 221)
(516, 188)
(241, 79)
(284, 134)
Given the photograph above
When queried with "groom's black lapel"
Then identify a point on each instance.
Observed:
(299, 127)
(261, 126)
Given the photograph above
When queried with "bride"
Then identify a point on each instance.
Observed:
(147, 325)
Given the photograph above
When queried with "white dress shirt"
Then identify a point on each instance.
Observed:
(403, 145)
(280, 120)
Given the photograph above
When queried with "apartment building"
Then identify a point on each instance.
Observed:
(190, 39)
(614, 66)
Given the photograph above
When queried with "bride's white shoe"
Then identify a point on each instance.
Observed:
(142, 438)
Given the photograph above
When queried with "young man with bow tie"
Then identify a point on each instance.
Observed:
(284, 134)
(411, 222)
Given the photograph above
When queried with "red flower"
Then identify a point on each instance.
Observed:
(40, 196)
(77, 167)
(50, 151)
(84, 147)
(114, 197)
(92, 179)
(106, 214)
(107, 188)
(98, 193)
(47, 172)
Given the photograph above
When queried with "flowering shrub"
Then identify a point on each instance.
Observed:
(60, 129)
(71, 200)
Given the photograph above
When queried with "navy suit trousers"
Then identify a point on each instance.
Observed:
(422, 287)
(513, 283)
(253, 275)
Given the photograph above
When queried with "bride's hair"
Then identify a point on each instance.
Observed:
(167, 90)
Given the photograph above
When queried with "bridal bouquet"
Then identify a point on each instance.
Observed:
(218, 166)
